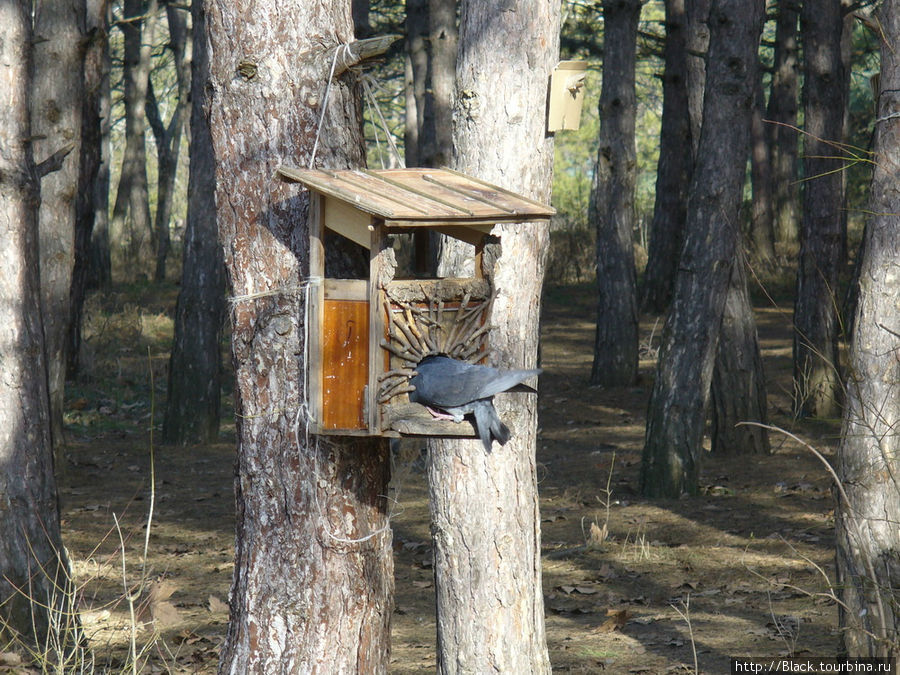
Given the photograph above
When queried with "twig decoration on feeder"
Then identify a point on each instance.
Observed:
(416, 331)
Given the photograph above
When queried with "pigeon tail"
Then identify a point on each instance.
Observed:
(488, 424)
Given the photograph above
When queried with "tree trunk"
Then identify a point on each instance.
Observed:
(431, 60)
(484, 506)
(100, 266)
(738, 383)
(195, 367)
(781, 115)
(33, 566)
(817, 388)
(697, 12)
(362, 27)
(87, 209)
(611, 209)
(762, 228)
(869, 455)
(168, 137)
(313, 579)
(131, 239)
(56, 122)
(677, 409)
(674, 170)
(416, 78)
(431, 48)
(442, 41)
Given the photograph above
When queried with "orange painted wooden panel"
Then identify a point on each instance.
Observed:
(345, 363)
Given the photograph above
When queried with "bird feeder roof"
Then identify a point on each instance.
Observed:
(419, 197)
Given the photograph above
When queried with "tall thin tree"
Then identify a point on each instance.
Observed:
(33, 567)
(761, 227)
(195, 367)
(738, 389)
(611, 208)
(677, 410)
(313, 579)
(697, 12)
(817, 387)
(130, 228)
(168, 135)
(487, 536)
(56, 99)
(781, 122)
(674, 169)
(867, 537)
(91, 213)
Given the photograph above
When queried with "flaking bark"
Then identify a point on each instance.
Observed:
(33, 566)
(56, 98)
(867, 538)
(313, 584)
(484, 507)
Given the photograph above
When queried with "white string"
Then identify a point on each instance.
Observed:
(304, 417)
(370, 95)
(887, 117)
(280, 290)
(345, 49)
(374, 130)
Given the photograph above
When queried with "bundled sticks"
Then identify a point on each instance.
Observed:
(415, 331)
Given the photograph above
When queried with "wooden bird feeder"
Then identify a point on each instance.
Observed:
(367, 335)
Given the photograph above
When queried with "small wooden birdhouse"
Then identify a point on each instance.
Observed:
(566, 96)
(367, 335)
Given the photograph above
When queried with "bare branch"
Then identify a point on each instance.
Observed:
(55, 161)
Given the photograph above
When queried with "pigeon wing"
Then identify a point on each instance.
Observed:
(444, 382)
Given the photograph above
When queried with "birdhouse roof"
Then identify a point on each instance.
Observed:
(417, 197)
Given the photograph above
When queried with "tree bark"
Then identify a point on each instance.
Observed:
(168, 136)
(674, 169)
(817, 387)
(611, 209)
(313, 580)
(484, 506)
(781, 116)
(195, 368)
(738, 383)
(131, 229)
(33, 565)
(56, 99)
(87, 210)
(869, 454)
(677, 410)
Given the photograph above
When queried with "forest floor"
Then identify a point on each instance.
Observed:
(630, 585)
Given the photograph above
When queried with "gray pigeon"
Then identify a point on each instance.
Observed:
(459, 388)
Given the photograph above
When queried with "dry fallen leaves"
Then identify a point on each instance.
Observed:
(616, 619)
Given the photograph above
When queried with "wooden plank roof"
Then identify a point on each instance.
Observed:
(421, 195)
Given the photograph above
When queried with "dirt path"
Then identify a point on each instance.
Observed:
(619, 572)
